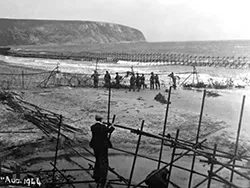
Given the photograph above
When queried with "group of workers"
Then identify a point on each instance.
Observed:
(100, 143)
(136, 81)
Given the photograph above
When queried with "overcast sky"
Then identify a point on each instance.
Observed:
(159, 20)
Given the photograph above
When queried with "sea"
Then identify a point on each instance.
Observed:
(232, 48)
(223, 48)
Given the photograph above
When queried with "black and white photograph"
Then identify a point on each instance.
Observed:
(125, 93)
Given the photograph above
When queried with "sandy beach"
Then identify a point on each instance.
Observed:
(79, 106)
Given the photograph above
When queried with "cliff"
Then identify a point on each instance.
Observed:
(30, 32)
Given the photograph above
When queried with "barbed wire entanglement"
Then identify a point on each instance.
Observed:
(25, 78)
(239, 62)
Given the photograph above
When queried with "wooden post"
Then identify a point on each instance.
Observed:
(211, 168)
(96, 64)
(22, 79)
(18, 174)
(136, 153)
(238, 135)
(164, 128)
(197, 138)
(172, 157)
(113, 120)
(57, 145)
(109, 97)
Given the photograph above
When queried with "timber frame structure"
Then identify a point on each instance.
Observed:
(211, 155)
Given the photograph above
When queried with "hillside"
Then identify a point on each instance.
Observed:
(32, 32)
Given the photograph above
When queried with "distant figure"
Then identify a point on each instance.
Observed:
(158, 180)
(96, 78)
(117, 80)
(100, 144)
(132, 82)
(138, 82)
(107, 79)
(173, 79)
(157, 82)
(143, 81)
(152, 80)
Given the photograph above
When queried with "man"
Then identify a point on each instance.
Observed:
(157, 180)
(173, 79)
(107, 79)
(100, 144)
(132, 82)
(143, 81)
(138, 82)
(117, 80)
(152, 80)
(96, 78)
(157, 82)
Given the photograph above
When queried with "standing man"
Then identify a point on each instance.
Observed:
(157, 82)
(132, 82)
(107, 79)
(100, 144)
(143, 81)
(96, 78)
(173, 80)
(152, 79)
(138, 82)
(117, 80)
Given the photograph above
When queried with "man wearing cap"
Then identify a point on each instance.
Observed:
(100, 144)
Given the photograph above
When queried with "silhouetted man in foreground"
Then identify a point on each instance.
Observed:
(100, 144)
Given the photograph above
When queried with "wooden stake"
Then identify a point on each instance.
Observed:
(164, 127)
(197, 138)
(113, 120)
(238, 135)
(22, 79)
(136, 153)
(18, 174)
(172, 158)
(109, 103)
(57, 145)
(211, 168)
